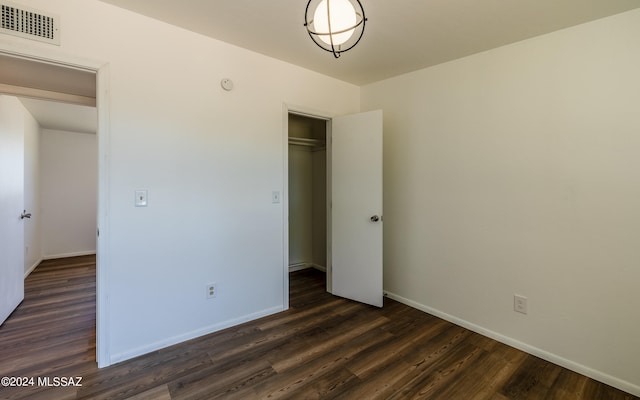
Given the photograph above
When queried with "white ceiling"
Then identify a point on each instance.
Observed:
(62, 116)
(400, 35)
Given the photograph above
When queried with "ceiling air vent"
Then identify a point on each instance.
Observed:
(29, 23)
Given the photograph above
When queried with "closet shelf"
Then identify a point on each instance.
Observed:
(315, 143)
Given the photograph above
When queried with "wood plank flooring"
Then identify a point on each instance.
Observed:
(324, 347)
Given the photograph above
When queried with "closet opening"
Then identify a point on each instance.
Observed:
(308, 194)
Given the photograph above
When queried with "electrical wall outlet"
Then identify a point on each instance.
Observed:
(212, 290)
(519, 304)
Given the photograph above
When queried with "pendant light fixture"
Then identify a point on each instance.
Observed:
(335, 25)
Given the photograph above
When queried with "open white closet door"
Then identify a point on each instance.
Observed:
(356, 209)
(11, 202)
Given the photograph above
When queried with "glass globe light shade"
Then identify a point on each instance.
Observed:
(343, 17)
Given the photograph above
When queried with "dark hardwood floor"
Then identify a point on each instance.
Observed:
(324, 347)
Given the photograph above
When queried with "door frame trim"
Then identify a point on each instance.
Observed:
(317, 114)
(101, 69)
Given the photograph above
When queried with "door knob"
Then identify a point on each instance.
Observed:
(25, 214)
(375, 218)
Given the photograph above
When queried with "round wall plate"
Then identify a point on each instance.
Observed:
(227, 84)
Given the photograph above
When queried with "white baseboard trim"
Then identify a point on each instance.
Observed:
(56, 256)
(301, 266)
(545, 355)
(126, 355)
(319, 267)
(298, 267)
(31, 268)
(65, 255)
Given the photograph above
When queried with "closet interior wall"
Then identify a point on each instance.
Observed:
(307, 193)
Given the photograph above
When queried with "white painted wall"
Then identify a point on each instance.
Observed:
(516, 171)
(300, 205)
(32, 233)
(319, 207)
(69, 171)
(209, 160)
